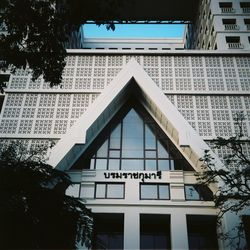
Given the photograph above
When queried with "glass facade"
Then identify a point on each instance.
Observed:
(152, 191)
(154, 231)
(198, 192)
(135, 142)
(108, 231)
(202, 237)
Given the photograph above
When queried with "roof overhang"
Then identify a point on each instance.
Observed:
(131, 81)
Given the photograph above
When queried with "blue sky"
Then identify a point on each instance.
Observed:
(135, 30)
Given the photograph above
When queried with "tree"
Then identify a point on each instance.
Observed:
(38, 30)
(35, 213)
(233, 194)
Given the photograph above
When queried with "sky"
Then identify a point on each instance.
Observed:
(135, 31)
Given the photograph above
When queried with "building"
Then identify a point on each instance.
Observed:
(130, 122)
(220, 24)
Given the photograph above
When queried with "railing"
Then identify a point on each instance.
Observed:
(248, 26)
(246, 10)
(231, 27)
(235, 46)
(227, 10)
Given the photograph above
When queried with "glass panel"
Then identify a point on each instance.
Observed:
(164, 192)
(162, 152)
(149, 138)
(147, 241)
(132, 116)
(115, 138)
(148, 191)
(191, 193)
(114, 153)
(132, 141)
(163, 165)
(100, 191)
(92, 163)
(115, 191)
(73, 190)
(132, 152)
(150, 154)
(172, 166)
(132, 165)
(103, 150)
(150, 165)
(114, 164)
(205, 193)
(101, 164)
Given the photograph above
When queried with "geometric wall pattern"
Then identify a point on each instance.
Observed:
(207, 90)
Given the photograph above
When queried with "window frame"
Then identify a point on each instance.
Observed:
(158, 190)
(175, 160)
(198, 188)
(106, 190)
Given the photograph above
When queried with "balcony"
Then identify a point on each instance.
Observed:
(227, 10)
(235, 45)
(231, 27)
(246, 10)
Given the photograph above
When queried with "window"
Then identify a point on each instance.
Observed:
(247, 23)
(1, 101)
(154, 231)
(152, 191)
(233, 42)
(245, 7)
(202, 232)
(226, 7)
(133, 141)
(246, 223)
(108, 231)
(109, 190)
(198, 193)
(230, 24)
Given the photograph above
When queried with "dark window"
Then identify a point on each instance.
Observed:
(232, 39)
(154, 231)
(247, 21)
(225, 4)
(152, 191)
(202, 232)
(108, 231)
(109, 190)
(198, 193)
(246, 223)
(245, 4)
(133, 141)
(1, 102)
(229, 21)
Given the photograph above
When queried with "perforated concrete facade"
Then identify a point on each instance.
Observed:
(208, 90)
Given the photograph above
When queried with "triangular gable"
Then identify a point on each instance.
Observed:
(89, 125)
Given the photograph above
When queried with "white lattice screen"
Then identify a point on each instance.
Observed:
(208, 91)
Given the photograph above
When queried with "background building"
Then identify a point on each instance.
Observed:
(220, 24)
(130, 122)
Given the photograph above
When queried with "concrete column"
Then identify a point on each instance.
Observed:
(179, 236)
(131, 229)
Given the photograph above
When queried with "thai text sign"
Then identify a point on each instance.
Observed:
(135, 175)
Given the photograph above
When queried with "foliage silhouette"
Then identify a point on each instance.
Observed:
(35, 213)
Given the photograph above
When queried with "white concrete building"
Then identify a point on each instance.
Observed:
(220, 24)
(130, 121)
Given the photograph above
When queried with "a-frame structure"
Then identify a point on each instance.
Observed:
(132, 81)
